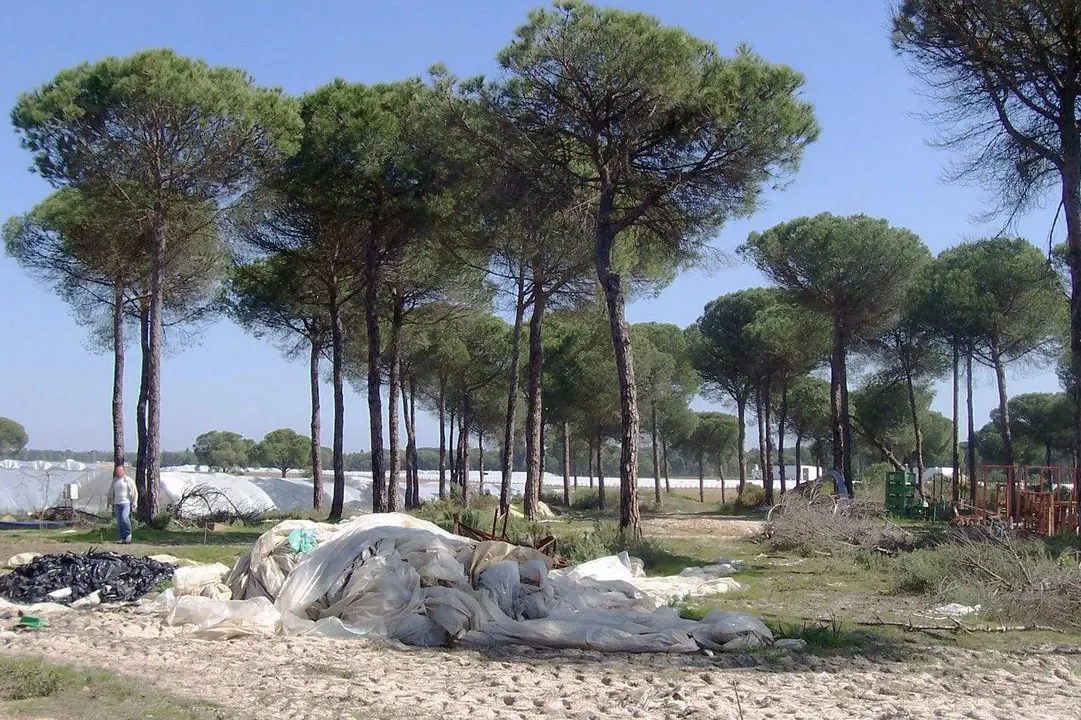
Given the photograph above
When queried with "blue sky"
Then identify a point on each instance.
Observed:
(872, 158)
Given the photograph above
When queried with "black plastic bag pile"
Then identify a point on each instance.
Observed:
(120, 578)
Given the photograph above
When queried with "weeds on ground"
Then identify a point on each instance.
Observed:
(33, 688)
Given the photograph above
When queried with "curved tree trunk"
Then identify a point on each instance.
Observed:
(629, 518)
(118, 373)
(534, 442)
(443, 439)
(741, 453)
(337, 339)
(317, 423)
(512, 394)
(140, 409)
(394, 383)
(372, 280)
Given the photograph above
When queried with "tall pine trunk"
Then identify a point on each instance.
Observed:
(337, 340)
(512, 394)
(720, 477)
(600, 471)
(970, 450)
(782, 417)
(118, 373)
(1007, 431)
(590, 445)
(741, 430)
(799, 459)
(629, 517)
(157, 340)
(767, 407)
(760, 412)
(910, 386)
(1071, 203)
(656, 458)
(372, 280)
(317, 421)
(463, 443)
(841, 423)
(701, 475)
(140, 410)
(409, 501)
(664, 451)
(394, 383)
(480, 460)
(414, 457)
(566, 464)
(443, 439)
(534, 442)
(454, 456)
(955, 486)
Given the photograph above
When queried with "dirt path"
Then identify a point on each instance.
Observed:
(316, 679)
(700, 526)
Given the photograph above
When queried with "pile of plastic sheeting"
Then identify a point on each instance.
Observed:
(72, 576)
(393, 576)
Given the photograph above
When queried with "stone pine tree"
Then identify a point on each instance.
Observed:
(1015, 309)
(666, 137)
(853, 269)
(726, 355)
(1005, 75)
(169, 131)
(273, 296)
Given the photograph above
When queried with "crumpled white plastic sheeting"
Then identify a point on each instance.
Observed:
(396, 577)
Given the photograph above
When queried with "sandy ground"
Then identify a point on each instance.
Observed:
(313, 678)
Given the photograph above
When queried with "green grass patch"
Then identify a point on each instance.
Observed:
(33, 688)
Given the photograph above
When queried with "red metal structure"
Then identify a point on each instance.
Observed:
(1041, 499)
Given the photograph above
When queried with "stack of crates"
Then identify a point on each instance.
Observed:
(901, 498)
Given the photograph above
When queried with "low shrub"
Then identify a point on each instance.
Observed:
(1014, 579)
(163, 520)
(752, 497)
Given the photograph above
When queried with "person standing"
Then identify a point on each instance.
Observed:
(123, 495)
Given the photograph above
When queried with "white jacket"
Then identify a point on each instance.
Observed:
(123, 491)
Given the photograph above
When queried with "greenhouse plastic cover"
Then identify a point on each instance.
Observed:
(33, 487)
(394, 576)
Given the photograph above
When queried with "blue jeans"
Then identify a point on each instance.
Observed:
(123, 520)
